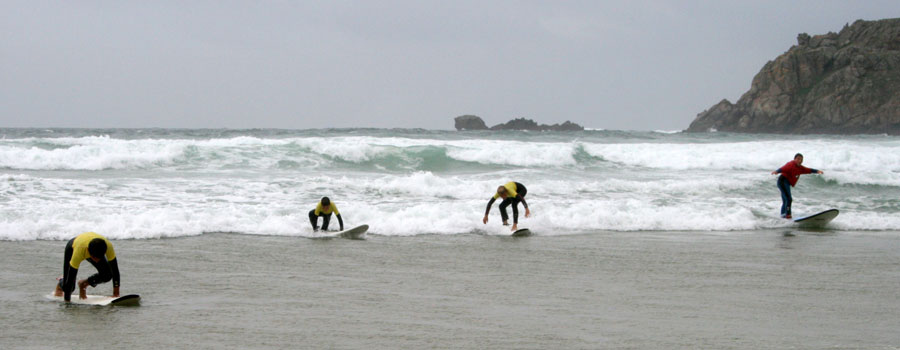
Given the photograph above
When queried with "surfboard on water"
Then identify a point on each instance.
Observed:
(522, 232)
(358, 232)
(817, 220)
(101, 300)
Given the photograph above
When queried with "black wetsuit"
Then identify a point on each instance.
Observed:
(520, 197)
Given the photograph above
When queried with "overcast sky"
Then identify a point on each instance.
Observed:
(636, 65)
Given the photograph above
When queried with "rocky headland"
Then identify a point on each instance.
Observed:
(472, 122)
(835, 83)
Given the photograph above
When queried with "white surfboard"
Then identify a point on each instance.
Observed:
(358, 232)
(818, 220)
(522, 232)
(101, 300)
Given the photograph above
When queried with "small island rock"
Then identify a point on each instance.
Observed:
(469, 122)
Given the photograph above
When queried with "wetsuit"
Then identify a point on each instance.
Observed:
(790, 173)
(515, 193)
(326, 216)
(76, 252)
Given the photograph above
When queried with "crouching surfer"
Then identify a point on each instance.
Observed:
(324, 209)
(512, 193)
(97, 250)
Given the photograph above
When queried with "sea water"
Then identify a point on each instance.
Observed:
(642, 240)
(152, 183)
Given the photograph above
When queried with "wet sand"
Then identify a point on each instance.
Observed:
(620, 290)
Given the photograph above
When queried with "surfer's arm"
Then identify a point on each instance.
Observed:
(114, 270)
(69, 283)
(522, 199)
(777, 171)
(340, 221)
(525, 204)
(488, 209)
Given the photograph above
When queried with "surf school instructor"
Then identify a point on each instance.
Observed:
(97, 250)
(790, 174)
(512, 193)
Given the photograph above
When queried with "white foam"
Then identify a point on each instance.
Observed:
(833, 155)
(187, 187)
(91, 153)
(869, 160)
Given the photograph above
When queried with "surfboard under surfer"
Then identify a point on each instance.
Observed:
(512, 193)
(324, 209)
(790, 174)
(98, 251)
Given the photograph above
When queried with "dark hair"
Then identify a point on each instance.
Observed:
(798, 155)
(325, 201)
(97, 248)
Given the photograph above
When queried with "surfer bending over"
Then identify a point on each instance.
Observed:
(97, 250)
(324, 209)
(790, 173)
(512, 193)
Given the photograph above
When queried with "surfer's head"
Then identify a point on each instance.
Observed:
(326, 202)
(798, 158)
(502, 192)
(97, 249)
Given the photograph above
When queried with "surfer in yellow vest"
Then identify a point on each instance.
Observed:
(512, 193)
(97, 250)
(324, 209)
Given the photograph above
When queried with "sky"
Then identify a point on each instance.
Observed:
(624, 65)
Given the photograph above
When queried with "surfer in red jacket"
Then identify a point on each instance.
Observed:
(790, 173)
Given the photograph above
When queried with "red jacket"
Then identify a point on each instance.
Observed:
(792, 171)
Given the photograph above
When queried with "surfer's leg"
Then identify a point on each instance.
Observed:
(313, 219)
(505, 203)
(783, 201)
(785, 188)
(325, 220)
(790, 200)
(515, 207)
(103, 274)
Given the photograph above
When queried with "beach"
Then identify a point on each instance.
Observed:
(407, 175)
(618, 290)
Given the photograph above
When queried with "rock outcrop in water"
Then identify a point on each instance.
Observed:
(471, 122)
(836, 83)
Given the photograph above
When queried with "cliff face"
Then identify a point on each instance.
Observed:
(844, 83)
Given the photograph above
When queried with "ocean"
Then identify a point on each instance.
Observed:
(640, 239)
(160, 183)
